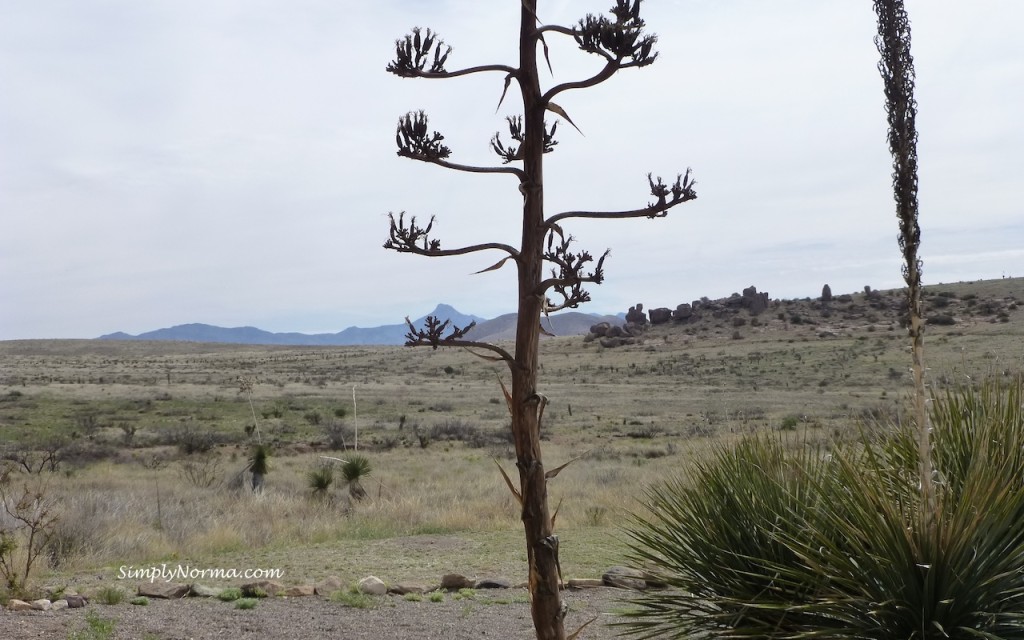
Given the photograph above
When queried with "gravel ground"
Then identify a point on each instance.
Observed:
(315, 617)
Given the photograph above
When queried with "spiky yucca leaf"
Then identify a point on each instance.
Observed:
(320, 479)
(259, 462)
(766, 545)
(355, 468)
(897, 571)
(717, 540)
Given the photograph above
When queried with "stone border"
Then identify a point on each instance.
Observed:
(616, 577)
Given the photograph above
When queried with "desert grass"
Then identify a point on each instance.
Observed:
(124, 514)
(128, 415)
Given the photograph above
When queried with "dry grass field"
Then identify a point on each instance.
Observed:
(148, 439)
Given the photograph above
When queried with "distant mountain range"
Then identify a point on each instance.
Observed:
(500, 328)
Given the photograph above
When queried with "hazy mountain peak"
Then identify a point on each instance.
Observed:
(448, 312)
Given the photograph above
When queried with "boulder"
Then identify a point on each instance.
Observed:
(403, 588)
(683, 312)
(76, 602)
(754, 302)
(585, 583)
(625, 578)
(329, 585)
(661, 315)
(166, 590)
(826, 294)
(263, 587)
(57, 605)
(633, 329)
(600, 328)
(758, 305)
(636, 314)
(299, 591)
(18, 605)
(456, 581)
(492, 583)
(372, 585)
(613, 332)
(41, 604)
(202, 591)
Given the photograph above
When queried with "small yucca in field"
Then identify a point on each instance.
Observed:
(320, 480)
(353, 471)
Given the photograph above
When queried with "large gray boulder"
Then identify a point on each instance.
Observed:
(754, 302)
(636, 314)
(329, 585)
(661, 315)
(165, 590)
(372, 585)
(625, 578)
(456, 581)
(683, 312)
(600, 329)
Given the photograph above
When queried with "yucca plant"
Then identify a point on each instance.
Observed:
(968, 424)
(762, 544)
(958, 574)
(353, 471)
(259, 465)
(320, 480)
(720, 538)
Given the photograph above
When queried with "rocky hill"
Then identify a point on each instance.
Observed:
(751, 311)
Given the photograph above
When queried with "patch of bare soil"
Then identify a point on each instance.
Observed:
(501, 614)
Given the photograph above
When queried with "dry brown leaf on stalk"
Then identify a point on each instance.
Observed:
(560, 111)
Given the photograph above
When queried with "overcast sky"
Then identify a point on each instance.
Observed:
(232, 162)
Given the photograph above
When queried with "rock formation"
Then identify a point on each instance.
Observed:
(636, 315)
(661, 315)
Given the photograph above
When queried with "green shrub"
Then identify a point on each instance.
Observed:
(437, 596)
(355, 599)
(230, 594)
(140, 601)
(110, 595)
(246, 603)
(767, 544)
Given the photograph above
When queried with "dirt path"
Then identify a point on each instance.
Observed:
(485, 616)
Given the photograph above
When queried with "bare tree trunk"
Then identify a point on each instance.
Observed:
(621, 43)
(527, 404)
